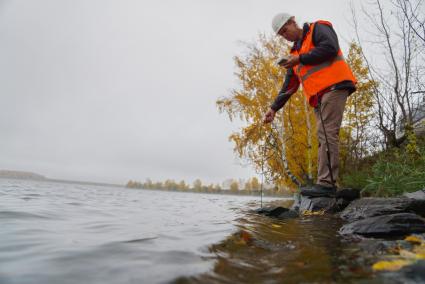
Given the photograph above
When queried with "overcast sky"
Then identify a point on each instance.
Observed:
(109, 91)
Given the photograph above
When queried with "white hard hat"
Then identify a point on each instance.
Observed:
(279, 20)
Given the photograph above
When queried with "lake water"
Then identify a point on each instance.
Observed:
(67, 233)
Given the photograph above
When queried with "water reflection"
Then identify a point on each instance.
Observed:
(301, 250)
(65, 233)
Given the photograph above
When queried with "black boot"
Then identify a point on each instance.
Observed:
(319, 191)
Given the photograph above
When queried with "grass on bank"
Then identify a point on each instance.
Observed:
(392, 172)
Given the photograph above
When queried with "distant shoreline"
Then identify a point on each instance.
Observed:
(22, 175)
(266, 193)
(67, 181)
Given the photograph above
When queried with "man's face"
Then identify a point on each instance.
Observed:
(289, 31)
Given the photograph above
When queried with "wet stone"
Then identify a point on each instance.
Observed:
(377, 247)
(420, 194)
(277, 212)
(392, 225)
(414, 273)
(348, 194)
(341, 204)
(370, 207)
(325, 204)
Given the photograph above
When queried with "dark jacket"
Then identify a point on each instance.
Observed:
(326, 47)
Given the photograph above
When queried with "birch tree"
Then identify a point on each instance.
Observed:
(393, 35)
(278, 150)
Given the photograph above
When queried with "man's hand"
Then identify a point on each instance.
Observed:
(292, 61)
(269, 116)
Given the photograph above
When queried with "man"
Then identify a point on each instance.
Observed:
(316, 62)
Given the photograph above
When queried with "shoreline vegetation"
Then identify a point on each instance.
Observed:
(21, 175)
(252, 187)
(392, 172)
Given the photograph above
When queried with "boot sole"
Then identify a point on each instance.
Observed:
(314, 194)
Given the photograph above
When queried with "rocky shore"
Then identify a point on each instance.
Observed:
(390, 227)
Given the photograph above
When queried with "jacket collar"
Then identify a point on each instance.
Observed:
(297, 45)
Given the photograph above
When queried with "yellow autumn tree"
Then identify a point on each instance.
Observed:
(285, 150)
(247, 186)
(356, 134)
(300, 138)
(255, 184)
(234, 186)
(197, 185)
(170, 184)
(182, 186)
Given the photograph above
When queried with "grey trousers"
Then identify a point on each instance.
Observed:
(332, 106)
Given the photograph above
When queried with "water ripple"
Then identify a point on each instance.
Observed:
(65, 233)
(20, 215)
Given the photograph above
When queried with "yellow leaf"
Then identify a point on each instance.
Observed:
(419, 250)
(313, 213)
(407, 254)
(420, 256)
(390, 265)
(276, 226)
(240, 242)
(414, 239)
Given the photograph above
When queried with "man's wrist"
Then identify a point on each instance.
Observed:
(301, 58)
(274, 108)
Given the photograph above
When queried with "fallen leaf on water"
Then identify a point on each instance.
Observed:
(240, 238)
(276, 226)
(240, 242)
(313, 213)
(243, 238)
(414, 239)
(419, 251)
(406, 254)
(393, 265)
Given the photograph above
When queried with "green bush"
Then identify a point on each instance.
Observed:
(396, 171)
(356, 179)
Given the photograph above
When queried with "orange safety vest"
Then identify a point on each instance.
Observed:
(316, 78)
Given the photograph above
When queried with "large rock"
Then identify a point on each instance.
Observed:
(386, 225)
(414, 273)
(312, 204)
(370, 207)
(410, 274)
(277, 212)
(420, 194)
(326, 204)
(348, 194)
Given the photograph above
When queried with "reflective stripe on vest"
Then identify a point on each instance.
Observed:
(318, 67)
(316, 78)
